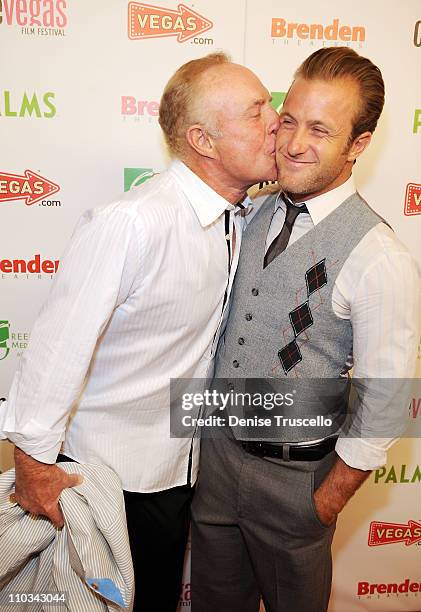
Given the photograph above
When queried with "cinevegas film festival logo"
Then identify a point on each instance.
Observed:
(136, 176)
(35, 17)
(11, 340)
(149, 21)
(331, 33)
(30, 187)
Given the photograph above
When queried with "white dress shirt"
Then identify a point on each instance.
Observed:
(377, 289)
(138, 300)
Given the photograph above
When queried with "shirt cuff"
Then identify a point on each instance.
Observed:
(41, 444)
(363, 455)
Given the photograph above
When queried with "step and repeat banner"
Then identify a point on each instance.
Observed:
(80, 84)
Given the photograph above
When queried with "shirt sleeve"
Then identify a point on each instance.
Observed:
(96, 274)
(383, 298)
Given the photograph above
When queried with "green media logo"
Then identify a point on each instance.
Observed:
(278, 98)
(136, 176)
(4, 337)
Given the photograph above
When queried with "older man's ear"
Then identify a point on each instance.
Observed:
(201, 141)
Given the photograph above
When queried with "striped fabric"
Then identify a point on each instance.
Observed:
(138, 300)
(89, 559)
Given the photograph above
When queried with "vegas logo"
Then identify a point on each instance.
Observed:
(147, 21)
(412, 200)
(30, 187)
(390, 533)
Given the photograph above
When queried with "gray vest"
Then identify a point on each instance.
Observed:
(282, 325)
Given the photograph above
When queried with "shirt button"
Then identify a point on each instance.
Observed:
(255, 292)
(240, 340)
(235, 363)
(248, 317)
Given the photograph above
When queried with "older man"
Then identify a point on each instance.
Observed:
(139, 299)
(322, 284)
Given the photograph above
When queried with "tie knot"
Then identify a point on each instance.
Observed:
(293, 211)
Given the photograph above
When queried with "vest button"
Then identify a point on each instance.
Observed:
(255, 292)
(235, 363)
(248, 317)
(241, 340)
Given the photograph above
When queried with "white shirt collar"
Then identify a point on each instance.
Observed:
(206, 203)
(321, 206)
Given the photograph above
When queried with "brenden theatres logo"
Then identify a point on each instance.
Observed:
(387, 588)
(131, 107)
(394, 474)
(30, 187)
(4, 339)
(35, 17)
(36, 105)
(300, 32)
(412, 199)
(392, 533)
(20, 268)
(185, 597)
(147, 21)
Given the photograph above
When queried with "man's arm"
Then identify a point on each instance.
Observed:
(39, 485)
(96, 274)
(380, 284)
(337, 488)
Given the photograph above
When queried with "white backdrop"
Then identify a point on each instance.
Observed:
(80, 84)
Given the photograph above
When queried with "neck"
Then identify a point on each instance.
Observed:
(207, 170)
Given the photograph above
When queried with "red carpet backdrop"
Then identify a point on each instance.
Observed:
(80, 84)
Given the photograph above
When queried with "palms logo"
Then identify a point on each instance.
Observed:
(4, 337)
(135, 176)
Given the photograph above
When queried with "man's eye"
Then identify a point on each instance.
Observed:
(320, 130)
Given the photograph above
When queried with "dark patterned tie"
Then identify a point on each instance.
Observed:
(280, 243)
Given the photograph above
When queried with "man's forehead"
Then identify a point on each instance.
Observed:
(318, 95)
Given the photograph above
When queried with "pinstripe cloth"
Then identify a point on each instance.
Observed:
(89, 556)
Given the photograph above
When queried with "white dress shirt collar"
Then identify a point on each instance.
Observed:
(207, 204)
(321, 206)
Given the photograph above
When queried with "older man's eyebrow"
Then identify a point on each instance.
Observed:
(257, 102)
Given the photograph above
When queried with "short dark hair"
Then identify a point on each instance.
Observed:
(331, 63)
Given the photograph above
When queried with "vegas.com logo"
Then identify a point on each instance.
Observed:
(30, 187)
(147, 21)
(381, 533)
